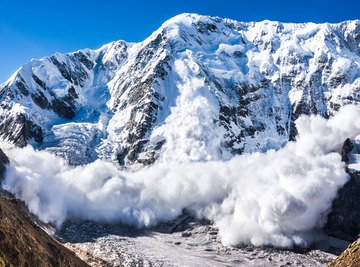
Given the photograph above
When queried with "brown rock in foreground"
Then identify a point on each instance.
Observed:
(23, 243)
(350, 257)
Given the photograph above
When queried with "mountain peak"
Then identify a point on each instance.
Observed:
(188, 22)
(186, 19)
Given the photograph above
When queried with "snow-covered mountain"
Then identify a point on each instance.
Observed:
(197, 89)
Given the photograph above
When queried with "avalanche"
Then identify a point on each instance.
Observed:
(198, 116)
(278, 198)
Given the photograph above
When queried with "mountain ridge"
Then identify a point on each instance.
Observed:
(244, 84)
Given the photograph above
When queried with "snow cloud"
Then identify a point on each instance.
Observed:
(192, 138)
(278, 197)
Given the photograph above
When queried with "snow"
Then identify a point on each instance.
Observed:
(193, 138)
(341, 65)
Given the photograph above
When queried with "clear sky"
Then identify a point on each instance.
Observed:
(34, 29)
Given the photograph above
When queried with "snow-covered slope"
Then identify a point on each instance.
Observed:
(198, 89)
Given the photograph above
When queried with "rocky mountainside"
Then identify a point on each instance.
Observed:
(23, 243)
(343, 220)
(205, 87)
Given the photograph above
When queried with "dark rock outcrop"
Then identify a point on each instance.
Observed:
(3, 162)
(344, 219)
(19, 130)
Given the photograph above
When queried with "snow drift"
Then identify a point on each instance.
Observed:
(278, 197)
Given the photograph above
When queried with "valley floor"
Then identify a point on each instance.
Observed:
(184, 242)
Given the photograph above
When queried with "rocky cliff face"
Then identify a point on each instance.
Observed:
(206, 86)
(3, 162)
(343, 221)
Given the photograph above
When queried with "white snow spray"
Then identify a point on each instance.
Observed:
(275, 198)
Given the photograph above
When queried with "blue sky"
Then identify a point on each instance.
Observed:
(33, 29)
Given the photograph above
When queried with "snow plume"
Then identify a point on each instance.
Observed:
(192, 137)
(277, 198)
